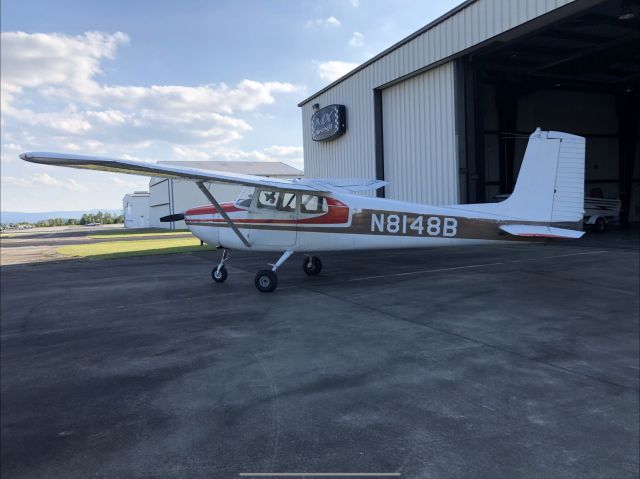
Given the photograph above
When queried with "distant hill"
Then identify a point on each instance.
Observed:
(19, 216)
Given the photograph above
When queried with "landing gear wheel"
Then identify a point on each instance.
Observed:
(600, 225)
(219, 275)
(312, 265)
(266, 280)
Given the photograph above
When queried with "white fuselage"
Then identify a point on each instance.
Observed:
(352, 223)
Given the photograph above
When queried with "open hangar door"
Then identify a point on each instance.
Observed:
(580, 75)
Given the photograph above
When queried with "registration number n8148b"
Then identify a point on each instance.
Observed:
(418, 225)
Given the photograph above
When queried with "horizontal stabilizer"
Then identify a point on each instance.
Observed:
(541, 231)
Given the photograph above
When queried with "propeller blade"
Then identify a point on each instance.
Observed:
(171, 218)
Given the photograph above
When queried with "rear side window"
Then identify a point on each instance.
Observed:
(313, 204)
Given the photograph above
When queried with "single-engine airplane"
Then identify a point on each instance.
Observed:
(310, 216)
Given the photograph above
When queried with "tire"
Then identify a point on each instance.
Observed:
(600, 225)
(219, 276)
(266, 281)
(315, 267)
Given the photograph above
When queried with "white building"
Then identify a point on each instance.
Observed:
(135, 207)
(169, 196)
(442, 114)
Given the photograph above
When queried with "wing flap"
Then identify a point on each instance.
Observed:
(352, 185)
(537, 231)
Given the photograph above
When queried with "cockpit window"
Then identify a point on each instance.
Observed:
(277, 200)
(313, 204)
(288, 202)
(245, 197)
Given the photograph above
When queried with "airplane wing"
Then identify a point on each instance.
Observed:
(142, 168)
(195, 174)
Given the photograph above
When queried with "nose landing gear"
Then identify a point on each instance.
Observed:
(219, 273)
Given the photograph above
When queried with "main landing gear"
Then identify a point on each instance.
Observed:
(312, 265)
(266, 280)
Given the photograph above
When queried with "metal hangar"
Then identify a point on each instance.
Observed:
(443, 115)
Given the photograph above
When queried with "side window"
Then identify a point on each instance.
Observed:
(313, 204)
(287, 202)
(268, 199)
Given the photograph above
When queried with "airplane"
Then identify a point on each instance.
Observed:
(308, 216)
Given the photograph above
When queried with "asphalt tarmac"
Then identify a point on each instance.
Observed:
(486, 362)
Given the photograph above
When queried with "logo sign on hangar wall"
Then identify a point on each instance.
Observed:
(329, 123)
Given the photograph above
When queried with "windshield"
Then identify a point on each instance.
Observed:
(245, 197)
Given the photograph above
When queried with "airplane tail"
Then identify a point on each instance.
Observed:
(550, 185)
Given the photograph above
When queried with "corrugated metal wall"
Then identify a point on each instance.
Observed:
(419, 138)
(353, 154)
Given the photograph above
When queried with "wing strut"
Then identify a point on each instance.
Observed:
(214, 202)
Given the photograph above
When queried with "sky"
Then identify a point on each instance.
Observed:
(164, 80)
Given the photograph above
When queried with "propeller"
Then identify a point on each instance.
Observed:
(171, 218)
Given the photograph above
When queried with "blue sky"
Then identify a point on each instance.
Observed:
(166, 80)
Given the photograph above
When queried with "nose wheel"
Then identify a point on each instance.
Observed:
(219, 273)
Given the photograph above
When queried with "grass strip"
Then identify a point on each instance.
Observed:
(151, 232)
(124, 249)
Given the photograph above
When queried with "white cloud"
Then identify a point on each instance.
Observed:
(66, 66)
(60, 74)
(72, 184)
(45, 179)
(9, 152)
(40, 59)
(334, 69)
(331, 22)
(190, 153)
(110, 117)
(134, 183)
(357, 39)
(42, 179)
(8, 181)
(284, 150)
(55, 98)
(355, 3)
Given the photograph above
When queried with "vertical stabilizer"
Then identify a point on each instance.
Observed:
(550, 185)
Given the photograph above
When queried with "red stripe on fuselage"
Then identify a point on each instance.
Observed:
(211, 210)
(338, 214)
